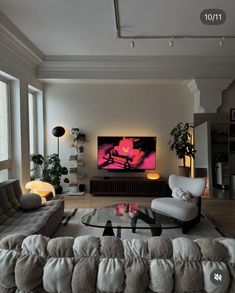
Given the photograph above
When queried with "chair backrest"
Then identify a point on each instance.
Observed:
(195, 186)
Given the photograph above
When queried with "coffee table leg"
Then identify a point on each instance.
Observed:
(156, 231)
(108, 230)
(119, 229)
(133, 223)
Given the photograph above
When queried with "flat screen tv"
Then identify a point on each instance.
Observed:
(128, 153)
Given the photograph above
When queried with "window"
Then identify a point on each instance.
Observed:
(32, 105)
(5, 152)
(4, 175)
(32, 123)
(35, 114)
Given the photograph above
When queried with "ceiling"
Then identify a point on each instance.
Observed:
(87, 27)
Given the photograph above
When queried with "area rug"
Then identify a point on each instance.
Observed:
(72, 226)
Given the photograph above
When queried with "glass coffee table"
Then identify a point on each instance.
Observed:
(128, 216)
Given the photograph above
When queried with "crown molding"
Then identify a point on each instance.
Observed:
(19, 53)
(14, 45)
(136, 67)
(207, 93)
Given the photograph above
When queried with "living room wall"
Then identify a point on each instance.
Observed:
(143, 109)
(228, 100)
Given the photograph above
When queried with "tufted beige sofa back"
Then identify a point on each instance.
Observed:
(88, 264)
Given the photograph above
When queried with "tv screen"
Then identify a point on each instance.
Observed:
(127, 153)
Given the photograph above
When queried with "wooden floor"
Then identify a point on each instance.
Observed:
(222, 211)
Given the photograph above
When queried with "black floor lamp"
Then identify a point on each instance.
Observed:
(58, 131)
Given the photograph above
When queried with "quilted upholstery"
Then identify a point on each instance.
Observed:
(15, 220)
(110, 265)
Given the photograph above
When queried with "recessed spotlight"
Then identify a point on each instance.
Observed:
(172, 42)
(221, 42)
(132, 43)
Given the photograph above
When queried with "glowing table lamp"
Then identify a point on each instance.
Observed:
(153, 176)
(40, 187)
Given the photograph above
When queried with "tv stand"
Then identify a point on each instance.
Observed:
(127, 186)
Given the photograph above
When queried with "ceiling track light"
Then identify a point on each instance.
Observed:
(132, 43)
(159, 37)
(172, 42)
(221, 42)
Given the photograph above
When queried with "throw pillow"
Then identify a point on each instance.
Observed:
(30, 201)
(182, 194)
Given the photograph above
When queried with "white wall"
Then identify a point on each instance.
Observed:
(228, 99)
(117, 109)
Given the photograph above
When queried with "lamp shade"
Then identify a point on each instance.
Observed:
(58, 131)
(40, 187)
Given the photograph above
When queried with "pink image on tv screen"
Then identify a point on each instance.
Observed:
(127, 153)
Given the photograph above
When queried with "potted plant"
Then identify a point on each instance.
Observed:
(51, 170)
(181, 142)
(80, 139)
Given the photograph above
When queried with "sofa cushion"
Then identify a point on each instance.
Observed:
(14, 220)
(179, 209)
(137, 275)
(32, 222)
(57, 275)
(5, 203)
(12, 242)
(86, 246)
(3, 216)
(30, 201)
(10, 190)
(28, 273)
(161, 273)
(84, 275)
(8, 260)
(61, 246)
(184, 269)
(110, 275)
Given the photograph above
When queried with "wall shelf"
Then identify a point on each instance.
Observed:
(76, 170)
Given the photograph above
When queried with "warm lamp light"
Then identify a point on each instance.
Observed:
(40, 187)
(153, 176)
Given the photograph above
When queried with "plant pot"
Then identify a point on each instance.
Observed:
(184, 171)
(58, 189)
(81, 187)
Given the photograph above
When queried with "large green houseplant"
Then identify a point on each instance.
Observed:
(182, 143)
(51, 169)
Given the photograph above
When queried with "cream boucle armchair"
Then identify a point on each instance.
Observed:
(188, 213)
(88, 264)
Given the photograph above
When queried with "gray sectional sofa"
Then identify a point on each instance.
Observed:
(13, 219)
(88, 264)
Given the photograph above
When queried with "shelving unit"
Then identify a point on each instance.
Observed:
(232, 156)
(219, 154)
(76, 170)
(215, 145)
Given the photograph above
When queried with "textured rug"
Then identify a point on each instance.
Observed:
(72, 226)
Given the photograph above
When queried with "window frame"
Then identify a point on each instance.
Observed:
(8, 164)
(35, 119)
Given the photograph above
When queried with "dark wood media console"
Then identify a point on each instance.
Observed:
(127, 186)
